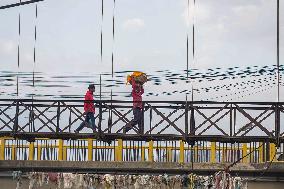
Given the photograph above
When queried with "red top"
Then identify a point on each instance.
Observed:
(137, 94)
(89, 106)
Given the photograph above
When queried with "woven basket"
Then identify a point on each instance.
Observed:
(139, 77)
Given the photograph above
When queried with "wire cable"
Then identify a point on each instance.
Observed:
(102, 9)
(187, 65)
(234, 163)
(265, 170)
(19, 4)
(113, 40)
(35, 38)
(278, 78)
(18, 49)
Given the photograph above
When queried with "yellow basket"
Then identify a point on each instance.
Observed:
(138, 77)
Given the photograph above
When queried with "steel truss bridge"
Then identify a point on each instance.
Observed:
(174, 137)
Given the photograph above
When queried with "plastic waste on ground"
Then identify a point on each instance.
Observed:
(220, 180)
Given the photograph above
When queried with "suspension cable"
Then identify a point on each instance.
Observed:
(19, 4)
(278, 78)
(102, 9)
(18, 49)
(35, 39)
(187, 22)
(193, 32)
(113, 40)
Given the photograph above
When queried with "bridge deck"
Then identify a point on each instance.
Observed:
(276, 169)
(35, 136)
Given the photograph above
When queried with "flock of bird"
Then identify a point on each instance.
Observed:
(222, 84)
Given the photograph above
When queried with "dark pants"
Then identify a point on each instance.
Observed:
(89, 116)
(137, 112)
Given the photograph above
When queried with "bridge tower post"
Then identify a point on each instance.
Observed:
(272, 156)
(90, 149)
(14, 152)
(2, 148)
(60, 149)
(181, 151)
(260, 151)
(277, 124)
(143, 153)
(119, 150)
(58, 118)
(245, 152)
(213, 152)
(38, 152)
(151, 156)
(16, 120)
(31, 151)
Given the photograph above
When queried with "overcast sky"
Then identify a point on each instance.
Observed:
(149, 34)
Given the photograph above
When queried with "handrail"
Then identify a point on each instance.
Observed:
(162, 120)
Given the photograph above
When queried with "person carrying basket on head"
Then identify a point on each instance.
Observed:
(137, 79)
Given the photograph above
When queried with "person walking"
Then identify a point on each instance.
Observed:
(137, 92)
(89, 109)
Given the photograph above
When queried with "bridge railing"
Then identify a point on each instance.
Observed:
(162, 120)
(152, 151)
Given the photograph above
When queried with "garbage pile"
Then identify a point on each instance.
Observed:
(220, 180)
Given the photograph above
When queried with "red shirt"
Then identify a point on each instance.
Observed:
(137, 94)
(89, 106)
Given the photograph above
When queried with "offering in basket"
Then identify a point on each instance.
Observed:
(139, 77)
